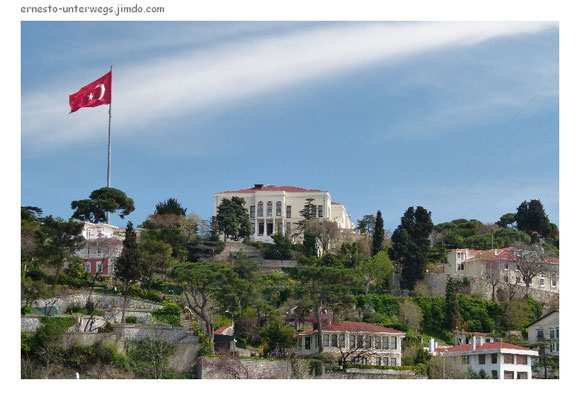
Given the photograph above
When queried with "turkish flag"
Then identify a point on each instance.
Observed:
(94, 94)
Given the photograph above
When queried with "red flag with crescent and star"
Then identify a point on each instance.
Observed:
(94, 94)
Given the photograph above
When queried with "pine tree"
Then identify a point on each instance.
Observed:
(129, 265)
(453, 320)
(378, 234)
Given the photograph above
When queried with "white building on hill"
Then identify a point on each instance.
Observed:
(277, 208)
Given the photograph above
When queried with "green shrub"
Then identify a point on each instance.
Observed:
(316, 368)
(26, 310)
(169, 314)
(131, 319)
(108, 327)
(136, 291)
(154, 296)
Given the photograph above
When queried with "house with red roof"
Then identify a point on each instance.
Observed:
(355, 342)
(103, 245)
(277, 208)
(499, 360)
(474, 263)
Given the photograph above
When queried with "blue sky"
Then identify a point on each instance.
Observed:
(461, 118)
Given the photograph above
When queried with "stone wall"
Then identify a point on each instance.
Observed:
(354, 373)
(105, 301)
(168, 333)
(30, 323)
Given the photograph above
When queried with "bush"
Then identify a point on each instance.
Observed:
(26, 310)
(281, 249)
(169, 314)
(131, 319)
(136, 291)
(108, 327)
(154, 296)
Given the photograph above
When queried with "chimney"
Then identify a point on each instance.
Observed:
(258, 185)
(473, 344)
(432, 346)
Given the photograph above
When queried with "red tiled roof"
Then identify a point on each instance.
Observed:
(485, 346)
(502, 254)
(350, 326)
(272, 188)
(221, 330)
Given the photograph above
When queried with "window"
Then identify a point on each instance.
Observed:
(522, 375)
(377, 342)
(307, 343)
(487, 340)
(508, 374)
(539, 334)
(518, 279)
(481, 359)
(334, 340)
(505, 279)
(508, 358)
(359, 341)
(341, 340)
(554, 282)
(494, 374)
(465, 359)
(555, 347)
(521, 359)
(393, 342)
(269, 209)
(393, 362)
(320, 211)
(288, 211)
(507, 267)
(494, 358)
(288, 227)
(99, 266)
(385, 360)
(461, 266)
(325, 340)
(378, 361)
(252, 211)
(278, 208)
(385, 342)
(368, 342)
(88, 267)
(542, 282)
(260, 209)
(552, 333)
(260, 227)
(557, 332)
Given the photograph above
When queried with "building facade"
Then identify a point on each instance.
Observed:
(546, 330)
(466, 262)
(277, 208)
(103, 246)
(364, 343)
(498, 360)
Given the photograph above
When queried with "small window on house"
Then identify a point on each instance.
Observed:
(508, 358)
(522, 375)
(557, 332)
(260, 209)
(542, 282)
(552, 333)
(252, 211)
(288, 211)
(269, 209)
(393, 362)
(508, 374)
(278, 208)
(334, 340)
(307, 343)
(494, 358)
(359, 341)
(507, 267)
(368, 340)
(554, 283)
(521, 359)
(494, 374)
(393, 342)
(378, 342)
(325, 340)
(482, 359)
(385, 360)
(99, 266)
(518, 279)
(555, 347)
(352, 341)
(505, 279)
(341, 340)
(539, 334)
(465, 359)
(88, 267)
(487, 340)
(378, 361)
(385, 342)
(320, 211)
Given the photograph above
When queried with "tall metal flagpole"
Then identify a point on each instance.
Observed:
(109, 147)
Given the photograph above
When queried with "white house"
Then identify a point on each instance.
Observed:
(277, 208)
(546, 330)
(366, 343)
(467, 262)
(499, 360)
(103, 246)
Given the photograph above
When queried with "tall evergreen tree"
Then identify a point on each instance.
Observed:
(378, 234)
(453, 320)
(233, 219)
(411, 244)
(171, 206)
(531, 217)
(129, 265)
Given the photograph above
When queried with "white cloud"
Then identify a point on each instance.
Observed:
(193, 82)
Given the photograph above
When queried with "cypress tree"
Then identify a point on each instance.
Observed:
(378, 234)
(129, 265)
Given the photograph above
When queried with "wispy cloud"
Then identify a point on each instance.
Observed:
(227, 72)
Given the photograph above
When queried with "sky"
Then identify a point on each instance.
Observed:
(461, 118)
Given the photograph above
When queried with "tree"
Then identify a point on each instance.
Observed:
(170, 206)
(374, 271)
(453, 320)
(151, 356)
(530, 262)
(493, 273)
(203, 284)
(507, 221)
(531, 217)
(129, 267)
(278, 338)
(100, 202)
(308, 213)
(326, 231)
(366, 225)
(281, 249)
(411, 245)
(446, 367)
(62, 240)
(327, 287)
(378, 234)
(233, 219)
(410, 314)
(156, 258)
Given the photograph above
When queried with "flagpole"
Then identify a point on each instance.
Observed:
(109, 149)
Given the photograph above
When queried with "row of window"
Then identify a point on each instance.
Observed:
(554, 333)
(392, 361)
(313, 212)
(507, 359)
(355, 341)
(99, 267)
